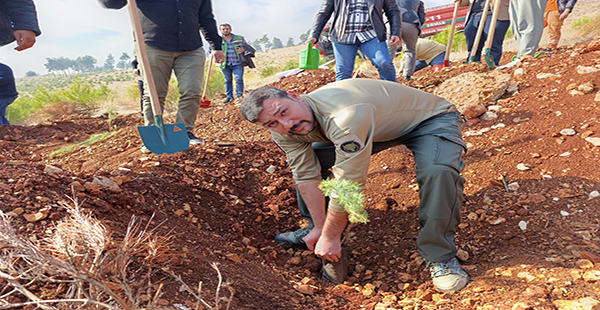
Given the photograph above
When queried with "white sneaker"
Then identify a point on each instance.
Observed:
(509, 65)
(448, 276)
(144, 149)
(193, 139)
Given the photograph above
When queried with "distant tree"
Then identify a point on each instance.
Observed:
(290, 42)
(123, 61)
(59, 65)
(85, 63)
(265, 42)
(304, 36)
(30, 73)
(256, 45)
(109, 63)
(277, 43)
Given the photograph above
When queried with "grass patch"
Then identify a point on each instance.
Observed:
(586, 27)
(91, 140)
(459, 43)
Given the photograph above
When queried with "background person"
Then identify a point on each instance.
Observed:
(338, 127)
(429, 53)
(413, 16)
(173, 44)
(359, 23)
(476, 9)
(232, 66)
(554, 16)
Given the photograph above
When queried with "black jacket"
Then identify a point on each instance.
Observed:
(339, 10)
(17, 15)
(174, 25)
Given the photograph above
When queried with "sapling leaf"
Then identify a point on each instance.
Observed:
(348, 194)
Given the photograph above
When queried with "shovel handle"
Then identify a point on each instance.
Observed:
(141, 46)
(451, 34)
(490, 38)
(210, 60)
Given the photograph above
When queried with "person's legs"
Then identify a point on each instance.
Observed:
(344, 60)
(438, 60)
(380, 58)
(410, 35)
(498, 40)
(161, 63)
(228, 81)
(554, 26)
(470, 34)
(4, 102)
(420, 64)
(189, 70)
(527, 24)
(238, 73)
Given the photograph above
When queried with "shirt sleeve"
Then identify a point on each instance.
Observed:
(301, 158)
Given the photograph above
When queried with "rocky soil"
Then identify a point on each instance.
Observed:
(529, 235)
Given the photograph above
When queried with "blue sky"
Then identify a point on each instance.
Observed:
(73, 28)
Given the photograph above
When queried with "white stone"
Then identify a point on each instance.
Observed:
(106, 182)
(597, 98)
(472, 133)
(494, 107)
(546, 177)
(519, 71)
(522, 167)
(499, 125)
(512, 88)
(484, 130)
(565, 154)
(489, 116)
(271, 169)
(593, 140)
(568, 132)
(543, 75)
(575, 92)
(594, 194)
(523, 225)
(513, 186)
(564, 213)
(586, 88)
(586, 70)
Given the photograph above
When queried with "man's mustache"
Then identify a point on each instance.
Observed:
(296, 126)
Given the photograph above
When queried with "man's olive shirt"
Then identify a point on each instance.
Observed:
(352, 114)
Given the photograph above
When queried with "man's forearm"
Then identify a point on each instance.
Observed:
(315, 202)
(334, 225)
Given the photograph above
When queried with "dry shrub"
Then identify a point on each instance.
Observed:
(80, 266)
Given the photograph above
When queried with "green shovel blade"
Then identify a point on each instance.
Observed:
(164, 138)
(489, 60)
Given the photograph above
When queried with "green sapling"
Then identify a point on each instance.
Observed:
(348, 194)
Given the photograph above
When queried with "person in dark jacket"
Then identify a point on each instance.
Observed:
(18, 23)
(172, 37)
(413, 16)
(359, 24)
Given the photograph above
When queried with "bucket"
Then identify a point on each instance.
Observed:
(309, 57)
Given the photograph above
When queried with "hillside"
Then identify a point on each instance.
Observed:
(225, 200)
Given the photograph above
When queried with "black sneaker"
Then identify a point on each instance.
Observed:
(193, 139)
(228, 100)
(294, 238)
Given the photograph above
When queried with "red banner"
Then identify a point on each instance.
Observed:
(439, 18)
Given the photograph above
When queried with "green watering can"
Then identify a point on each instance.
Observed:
(309, 57)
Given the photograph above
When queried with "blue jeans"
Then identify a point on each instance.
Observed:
(4, 102)
(437, 60)
(238, 72)
(376, 52)
(499, 33)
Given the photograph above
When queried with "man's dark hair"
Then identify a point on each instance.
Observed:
(223, 25)
(252, 103)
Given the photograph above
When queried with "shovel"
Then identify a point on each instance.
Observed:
(160, 138)
(489, 60)
(205, 103)
(475, 46)
(450, 36)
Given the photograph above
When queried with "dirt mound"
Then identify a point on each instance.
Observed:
(529, 231)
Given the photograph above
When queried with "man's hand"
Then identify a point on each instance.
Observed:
(239, 50)
(219, 56)
(329, 249)
(565, 14)
(395, 41)
(312, 40)
(25, 39)
(312, 238)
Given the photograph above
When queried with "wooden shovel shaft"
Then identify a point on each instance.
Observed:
(490, 36)
(479, 31)
(210, 59)
(141, 46)
(451, 34)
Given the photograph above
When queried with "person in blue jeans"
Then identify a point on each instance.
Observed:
(476, 9)
(429, 53)
(359, 23)
(232, 67)
(8, 91)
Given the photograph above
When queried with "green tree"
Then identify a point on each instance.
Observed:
(30, 73)
(256, 45)
(123, 61)
(277, 43)
(109, 63)
(266, 43)
(85, 64)
(290, 42)
(304, 36)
